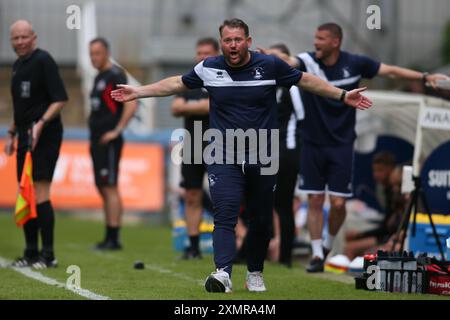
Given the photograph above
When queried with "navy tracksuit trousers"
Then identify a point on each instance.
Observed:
(229, 184)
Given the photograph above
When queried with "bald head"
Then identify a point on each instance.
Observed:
(23, 38)
(21, 25)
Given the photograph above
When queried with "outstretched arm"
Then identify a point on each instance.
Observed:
(395, 72)
(163, 88)
(322, 88)
(290, 60)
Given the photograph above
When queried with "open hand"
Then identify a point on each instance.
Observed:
(124, 93)
(9, 146)
(356, 100)
(109, 136)
(432, 79)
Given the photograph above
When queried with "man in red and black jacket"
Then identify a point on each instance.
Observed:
(107, 120)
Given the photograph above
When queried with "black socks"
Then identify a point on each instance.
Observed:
(112, 234)
(31, 230)
(194, 243)
(45, 224)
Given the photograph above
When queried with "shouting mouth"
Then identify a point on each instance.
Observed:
(234, 55)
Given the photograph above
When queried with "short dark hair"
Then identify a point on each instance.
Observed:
(385, 158)
(209, 41)
(100, 40)
(334, 29)
(235, 23)
(282, 47)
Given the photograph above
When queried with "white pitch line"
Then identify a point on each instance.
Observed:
(178, 275)
(27, 272)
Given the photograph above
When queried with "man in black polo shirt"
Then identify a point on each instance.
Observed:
(107, 120)
(38, 96)
(193, 105)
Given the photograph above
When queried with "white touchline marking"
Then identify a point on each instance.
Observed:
(27, 272)
(178, 275)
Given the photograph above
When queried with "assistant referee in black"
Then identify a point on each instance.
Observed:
(38, 97)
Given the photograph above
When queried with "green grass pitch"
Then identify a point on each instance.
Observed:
(165, 278)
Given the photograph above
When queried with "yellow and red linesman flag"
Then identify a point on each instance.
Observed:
(26, 202)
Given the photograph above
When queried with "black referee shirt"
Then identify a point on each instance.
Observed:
(35, 84)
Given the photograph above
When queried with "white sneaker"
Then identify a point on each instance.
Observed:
(255, 282)
(219, 281)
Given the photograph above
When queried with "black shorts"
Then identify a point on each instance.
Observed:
(192, 176)
(287, 178)
(326, 167)
(105, 159)
(44, 155)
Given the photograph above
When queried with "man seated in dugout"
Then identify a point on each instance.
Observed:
(390, 177)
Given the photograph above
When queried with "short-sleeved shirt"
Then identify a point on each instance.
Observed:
(244, 97)
(190, 120)
(35, 85)
(190, 96)
(328, 121)
(105, 111)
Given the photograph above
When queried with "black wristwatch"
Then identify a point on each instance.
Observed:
(424, 77)
(12, 133)
(343, 94)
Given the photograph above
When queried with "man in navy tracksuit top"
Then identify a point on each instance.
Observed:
(242, 86)
(328, 131)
